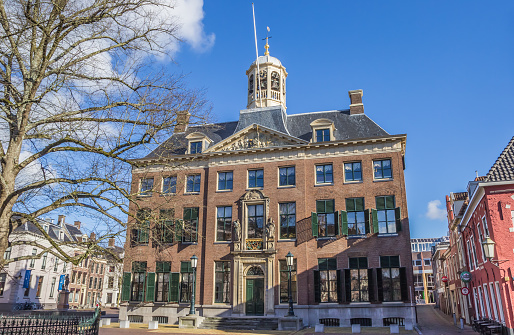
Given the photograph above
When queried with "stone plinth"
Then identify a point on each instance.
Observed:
(125, 324)
(153, 325)
(394, 329)
(408, 325)
(319, 328)
(190, 321)
(356, 329)
(290, 323)
(105, 322)
(63, 303)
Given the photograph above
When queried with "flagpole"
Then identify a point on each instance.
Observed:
(257, 77)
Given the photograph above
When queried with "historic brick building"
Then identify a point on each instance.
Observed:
(326, 186)
(422, 268)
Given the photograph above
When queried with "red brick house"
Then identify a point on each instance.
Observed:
(489, 216)
(326, 186)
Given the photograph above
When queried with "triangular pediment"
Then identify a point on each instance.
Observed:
(254, 137)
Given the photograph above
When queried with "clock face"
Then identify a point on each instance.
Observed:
(264, 79)
(275, 81)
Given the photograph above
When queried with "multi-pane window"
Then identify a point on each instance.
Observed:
(64, 267)
(322, 135)
(166, 231)
(287, 176)
(169, 185)
(327, 218)
(480, 241)
(138, 281)
(39, 286)
(186, 281)
(427, 262)
(196, 147)
(470, 255)
(391, 284)
(33, 260)
(193, 183)
(43, 264)
(222, 282)
(255, 221)
(287, 220)
(3, 277)
(96, 283)
(382, 169)
(145, 186)
(356, 216)
(255, 178)
(109, 298)
(324, 174)
(190, 232)
(386, 214)
(284, 277)
(484, 222)
(56, 263)
(52, 288)
(359, 279)
(225, 181)
(328, 282)
(224, 223)
(7, 253)
(162, 273)
(90, 282)
(110, 282)
(418, 280)
(352, 171)
(140, 233)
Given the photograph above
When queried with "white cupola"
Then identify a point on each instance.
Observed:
(272, 79)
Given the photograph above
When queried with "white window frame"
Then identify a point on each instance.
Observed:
(493, 301)
(481, 240)
(322, 124)
(481, 300)
(486, 230)
(499, 299)
(198, 137)
(487, 301)
(475, 298)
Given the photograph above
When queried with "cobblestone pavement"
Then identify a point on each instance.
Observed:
(432, 321)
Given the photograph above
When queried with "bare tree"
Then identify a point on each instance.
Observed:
(81, 96)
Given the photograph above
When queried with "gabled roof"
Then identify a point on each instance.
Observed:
(503, 168)
(53, 230)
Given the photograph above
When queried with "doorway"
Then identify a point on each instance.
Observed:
(255, 296)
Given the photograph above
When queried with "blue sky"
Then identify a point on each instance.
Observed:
(439, 71)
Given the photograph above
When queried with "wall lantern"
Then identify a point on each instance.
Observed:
(488, 245)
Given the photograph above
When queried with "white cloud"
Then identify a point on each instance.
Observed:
(189, 15)
(434, 210)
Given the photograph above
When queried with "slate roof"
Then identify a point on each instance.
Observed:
(53, 231)
(503, 168)
(347, 127)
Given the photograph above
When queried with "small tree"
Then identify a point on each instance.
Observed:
(79, 100)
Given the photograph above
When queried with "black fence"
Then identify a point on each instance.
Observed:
(38, 324)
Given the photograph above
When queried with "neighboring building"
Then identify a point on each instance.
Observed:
(326, 186)
(112, 278)
(489, 217)
(439, 269)
(35, 280)
(423, 275)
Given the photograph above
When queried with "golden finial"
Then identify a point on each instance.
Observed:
(266, 53)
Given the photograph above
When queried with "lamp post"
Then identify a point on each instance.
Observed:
(488, 245)
(289, 260)
(194, 261)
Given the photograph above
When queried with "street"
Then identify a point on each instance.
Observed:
(432, 321)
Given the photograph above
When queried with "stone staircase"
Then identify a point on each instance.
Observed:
(242, 323)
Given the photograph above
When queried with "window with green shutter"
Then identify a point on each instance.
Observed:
(329, 280)
(190, 225)
(138, 281)
(162, 283)
(140, 232)
(150, 286)
(174, 291)
(390, 279)
(359, 287)
(357, 222)
(326, 218)
(166, 226)
(386, 217)
(186, 281)
(125, 287)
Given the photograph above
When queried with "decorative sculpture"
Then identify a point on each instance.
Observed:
(237, 230)
(270, 229)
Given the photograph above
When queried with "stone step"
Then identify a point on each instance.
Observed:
(239, 323)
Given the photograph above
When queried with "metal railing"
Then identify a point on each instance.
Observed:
(37, 324)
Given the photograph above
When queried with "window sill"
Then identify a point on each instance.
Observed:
(326, 238)
(286, 186)
(191, 193)
(360, 303)
(382, 179)
(254, 188)
(287, 240)
(143, 196)
(323, 184)
(388, 235)
(353, 182)
(189, 243)
(167, 194)
(356, 237)
(222, 242)
(223, 191)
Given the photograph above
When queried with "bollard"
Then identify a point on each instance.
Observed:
(106, 321)
(356, 329)
(319, 328)
(461, 323)
(408, 325)
(125, 324)
(454, 319)
(394, 329)
(153, 325)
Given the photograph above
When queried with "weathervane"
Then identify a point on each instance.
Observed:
(266, 53)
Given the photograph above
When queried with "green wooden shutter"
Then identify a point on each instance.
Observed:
(339, 287)
(344, 223)
(336, 223)
(125, 288)
(347, 285)
(380, 288)
(150, 286)
(317, 293)
(371, 285)
(375, 221)
(403, 285)
(174, 286)
(314, 218)
(367, 224)
(398, 214)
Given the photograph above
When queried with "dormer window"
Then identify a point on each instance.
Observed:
(195, 147)
(322, 130)
(197, 143)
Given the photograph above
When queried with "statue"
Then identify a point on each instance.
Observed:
(270, 229)
(66, 282)
(237, 230)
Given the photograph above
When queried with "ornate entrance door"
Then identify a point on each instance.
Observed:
(255, 296)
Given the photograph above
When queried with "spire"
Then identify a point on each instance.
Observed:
(266, 53)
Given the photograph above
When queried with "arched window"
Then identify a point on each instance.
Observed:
(275, 81)
(255, 271)
(264, 79)
(250, 85)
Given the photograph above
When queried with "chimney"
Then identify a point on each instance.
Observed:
(356, 106)
(111, 242)
(60, 220)
(79, 238)
(182, 121)
(92, 237)
(77, 224)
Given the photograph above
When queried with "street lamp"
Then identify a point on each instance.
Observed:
(289, 260)
(488, 245)
(194, 261)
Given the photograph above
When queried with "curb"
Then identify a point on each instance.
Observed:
(417, 329)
